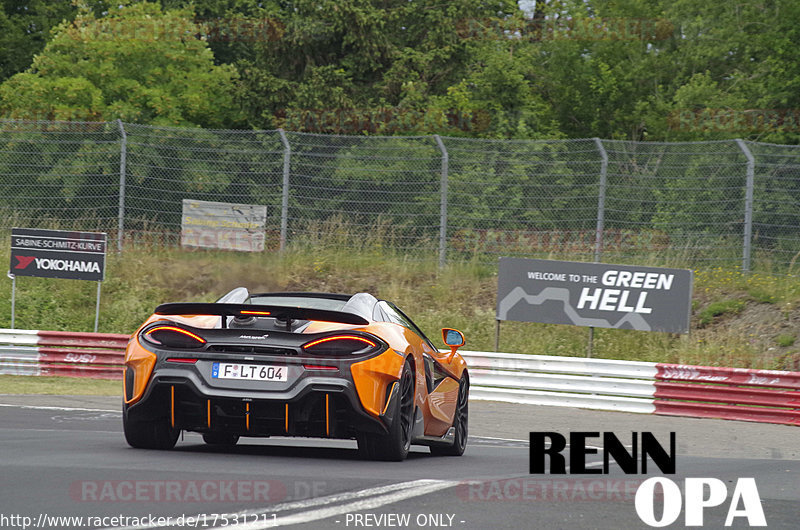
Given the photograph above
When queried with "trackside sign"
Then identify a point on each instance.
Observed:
(594, 294)
(58, 254)
(223, 225)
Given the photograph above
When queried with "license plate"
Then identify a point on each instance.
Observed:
(250, 372)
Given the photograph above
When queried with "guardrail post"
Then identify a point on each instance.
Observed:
(748, 205)
(287, 160)
(122, 170)
(443, 202)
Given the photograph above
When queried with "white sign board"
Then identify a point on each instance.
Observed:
(223, 225)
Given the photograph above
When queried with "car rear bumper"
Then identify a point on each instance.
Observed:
(314, 405)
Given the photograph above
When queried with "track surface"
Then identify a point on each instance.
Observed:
(66, 456)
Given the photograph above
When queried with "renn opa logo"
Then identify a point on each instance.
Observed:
(700, 493)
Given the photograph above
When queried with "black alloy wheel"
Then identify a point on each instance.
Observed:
(394, 445)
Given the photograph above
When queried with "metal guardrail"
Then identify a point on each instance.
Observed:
(769, 396)
(34, 352)
(601, 384)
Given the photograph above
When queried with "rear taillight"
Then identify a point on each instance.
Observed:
(173, 337)
(343, 345)
(319, 367)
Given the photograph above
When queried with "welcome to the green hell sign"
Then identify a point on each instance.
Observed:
(594, 294)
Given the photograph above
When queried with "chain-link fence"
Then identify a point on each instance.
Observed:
(59, 174)
(683, 204)
(162, 166)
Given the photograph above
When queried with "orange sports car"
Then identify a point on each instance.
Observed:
(295, 364)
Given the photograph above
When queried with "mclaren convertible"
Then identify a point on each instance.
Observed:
(295, 364)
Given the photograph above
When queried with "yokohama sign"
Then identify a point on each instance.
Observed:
(58, 254)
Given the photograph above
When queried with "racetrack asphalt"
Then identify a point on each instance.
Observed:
(66, 456)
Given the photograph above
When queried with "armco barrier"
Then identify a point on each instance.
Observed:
(652, 388)
(34, 352)
(602, 384)
(768, 396)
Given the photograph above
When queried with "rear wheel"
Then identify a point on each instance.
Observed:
(154, 434)
(394, 445)
(460, 424)
(220, 438)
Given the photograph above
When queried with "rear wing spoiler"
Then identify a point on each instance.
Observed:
(251, 310)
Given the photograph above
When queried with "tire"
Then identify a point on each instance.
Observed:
(460, 422)
(220, 438)
(394, 445)
(156, 434)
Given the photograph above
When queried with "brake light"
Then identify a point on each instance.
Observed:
(341, 344)
(183, 360)
(255, 313)
(174, 337)
(319, 367)
(338, 338)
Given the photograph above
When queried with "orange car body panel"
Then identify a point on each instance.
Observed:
(141, 362)
(373, 378)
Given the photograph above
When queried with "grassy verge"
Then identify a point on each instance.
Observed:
(67, 386)
(738, 320)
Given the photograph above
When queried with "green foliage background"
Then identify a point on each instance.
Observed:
(621, 69)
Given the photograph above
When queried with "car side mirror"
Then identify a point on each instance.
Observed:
(453, 338)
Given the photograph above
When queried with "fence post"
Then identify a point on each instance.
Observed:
(748, 205)
(601, 201)
(122, 170)
(287, 158)
(601, 220)
(443, 202)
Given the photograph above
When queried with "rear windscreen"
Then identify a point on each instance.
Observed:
(299, 301)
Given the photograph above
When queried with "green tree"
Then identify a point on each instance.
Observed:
(25, 27)
(136, 63)
(232, 27)
(361, 55)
